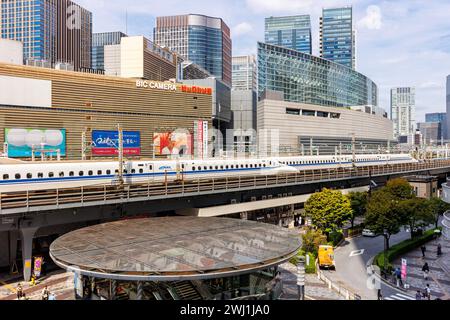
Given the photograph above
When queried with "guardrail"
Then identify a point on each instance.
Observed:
(341, 290)
(32, 201)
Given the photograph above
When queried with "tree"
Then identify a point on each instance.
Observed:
(400, 189)
(312, 240)
(383, 215)
(358, 202)
(329, 210)
(417, 213)
(438, 207)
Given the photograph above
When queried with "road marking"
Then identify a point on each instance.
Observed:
(10, 287)
(357, 253)
(399, 296)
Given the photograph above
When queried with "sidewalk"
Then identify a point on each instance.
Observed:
(439, 276)
(59, 282)
(315, 289)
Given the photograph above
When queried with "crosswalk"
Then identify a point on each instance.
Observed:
(399, 296)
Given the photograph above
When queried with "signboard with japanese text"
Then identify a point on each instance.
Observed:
(106, 143)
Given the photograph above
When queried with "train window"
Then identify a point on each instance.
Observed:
(199, 168)
(17, 176)
(221, 167)
(61, 174)
(193, 168)
(206, 168)
(40, 175)
(251, 166)
(81, 173)
(151, 167)
(142, 170)
(217, 167)
(91, 173)
(108, 172)
(71, 174)
(246, 165)
(182, 166)
(133, 170)
(29, 176)
(6, 177)
(227, 167)
(117, 171)
(210, 168)
(125, 171)
(51, 174)
(232, 166)
(264, 165)
(99, 172)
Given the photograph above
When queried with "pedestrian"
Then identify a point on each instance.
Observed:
(426, 271)
(52, 296)
(424, 249)
(380, 295)
(45, 293)
(418, 295)
(33, 281)
(428, 292)
(19, 291)
(398, 276)
(439, 250)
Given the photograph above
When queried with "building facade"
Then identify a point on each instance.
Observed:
(312, 80)
(75, 103)
(292, 32)
(431, 132)
(140, 58)
(51, 30)
(11, 51)
(448, 106)
(403, 111)
(245, 73)
(302, 128)
(204, 40)
(441, 118)
(243, 121)
(338, 37)
(99, 41)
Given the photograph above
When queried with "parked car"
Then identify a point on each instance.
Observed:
(369, 233)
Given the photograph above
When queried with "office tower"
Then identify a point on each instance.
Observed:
(205, 41)
(403, 108)
(244, 73)
(51, 30)
(293, 32)
(447, 132)
(99, 41)
(441, 118)
(337, 36)
(431, 132)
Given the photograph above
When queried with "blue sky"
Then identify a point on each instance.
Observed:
(400, 42)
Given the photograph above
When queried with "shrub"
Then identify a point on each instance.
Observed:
(312, 240)
(335, 238)
(311, 269)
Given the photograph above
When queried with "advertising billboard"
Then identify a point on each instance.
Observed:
(174, 143)
(201, 139)
(21, 142)
(106, 143)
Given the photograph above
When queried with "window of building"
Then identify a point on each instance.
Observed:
(322, 114)
(335, 115)
(309, 113)
(295, 112)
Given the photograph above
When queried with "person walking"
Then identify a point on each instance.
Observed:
(19, 291)
(439, 250)
(380, 295)
(45, 293)
(418, 295)
(426, 271)
(424, 250)
(398, 276)
(428, 292)
(52, 296)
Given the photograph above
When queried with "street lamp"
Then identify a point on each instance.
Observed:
(301, 278)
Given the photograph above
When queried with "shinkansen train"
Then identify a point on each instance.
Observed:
(31, 176)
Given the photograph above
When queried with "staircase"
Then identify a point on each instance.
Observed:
(186, 290)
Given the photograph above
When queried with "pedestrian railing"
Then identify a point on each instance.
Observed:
(21, 202)
(446, 225)
(339, 289)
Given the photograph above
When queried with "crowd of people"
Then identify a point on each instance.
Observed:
(45, 294)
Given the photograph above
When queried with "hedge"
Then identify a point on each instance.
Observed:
(403, 247)
(311, 269)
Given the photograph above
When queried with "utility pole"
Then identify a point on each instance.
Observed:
(119, 129)
(354, 149)
(83, 145)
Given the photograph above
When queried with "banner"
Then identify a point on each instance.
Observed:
(106, 143)
(38, 266)
(201, 139)
(21, 142)
(175, 143)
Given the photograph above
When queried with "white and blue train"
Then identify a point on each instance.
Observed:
(32, 176)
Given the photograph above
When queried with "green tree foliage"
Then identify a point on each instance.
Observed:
(329, 210)
(312, 240)
(383, 214)
(416, 213)
(400, 189)
(358, 202)
(438, 207)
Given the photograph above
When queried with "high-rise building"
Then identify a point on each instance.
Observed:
(293, 32)
(204, 40)
(50, 30)
(431, 132)
(337, 36)
(245, 73)
(447, 132)
(403, 109)
(99, 41)
(441, 118)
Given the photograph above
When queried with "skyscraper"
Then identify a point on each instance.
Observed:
(403, 109)
(51, 30)
(337, 36)
(204, 40)
(440, 118)
(244, 73)
(447, 133)
(293, 32)
(99, 41)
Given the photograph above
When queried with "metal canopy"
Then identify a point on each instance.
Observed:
(174, 248)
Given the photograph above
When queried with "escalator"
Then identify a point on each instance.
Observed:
(185, 290)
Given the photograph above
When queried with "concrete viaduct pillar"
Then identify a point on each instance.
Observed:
(27, 251)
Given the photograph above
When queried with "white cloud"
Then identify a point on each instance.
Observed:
(261, 6)
(373, 18)
(242, 29)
